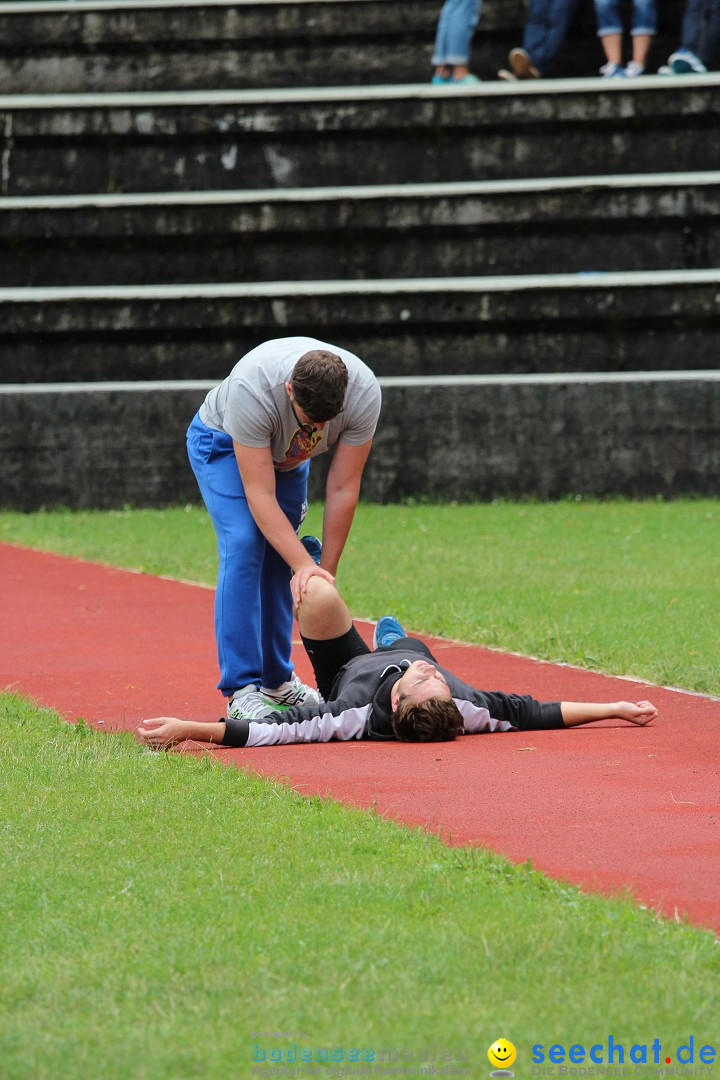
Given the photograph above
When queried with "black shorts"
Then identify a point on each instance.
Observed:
(328, 657)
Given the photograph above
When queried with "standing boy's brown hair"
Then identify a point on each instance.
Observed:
(319, 384)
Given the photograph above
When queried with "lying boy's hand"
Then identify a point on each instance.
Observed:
(161, 731)
(641, 713)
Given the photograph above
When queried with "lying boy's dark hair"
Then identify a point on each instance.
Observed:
(434, 720)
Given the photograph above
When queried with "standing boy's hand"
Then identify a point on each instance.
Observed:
(300, 578)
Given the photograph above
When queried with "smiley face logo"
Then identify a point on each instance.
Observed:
(502, 1054)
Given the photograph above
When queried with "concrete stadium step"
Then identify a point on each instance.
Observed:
(544, 436)
(86, 45)
(63, 144)
(636, 222)
(441, 326)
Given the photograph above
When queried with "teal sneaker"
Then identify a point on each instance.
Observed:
(313, 547)
(684, 62)
(387, 630)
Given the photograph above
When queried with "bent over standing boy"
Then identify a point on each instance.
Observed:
(250, 445)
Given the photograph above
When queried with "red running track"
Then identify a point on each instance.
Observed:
(610, 807)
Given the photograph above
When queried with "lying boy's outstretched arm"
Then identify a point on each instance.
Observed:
(168, 730)
(266, 726)
(165, 731)
(575, 713)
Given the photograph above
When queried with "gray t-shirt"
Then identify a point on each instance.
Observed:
(252, 404)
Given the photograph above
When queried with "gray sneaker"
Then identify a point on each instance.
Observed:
(292, 692)
(248, 704)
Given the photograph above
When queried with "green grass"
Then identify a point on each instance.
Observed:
(156, 909)
(625, 587)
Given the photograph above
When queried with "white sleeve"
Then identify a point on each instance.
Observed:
(315, 724)
(477, 720)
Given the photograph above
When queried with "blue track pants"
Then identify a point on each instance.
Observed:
(253, 605)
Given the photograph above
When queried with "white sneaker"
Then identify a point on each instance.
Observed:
(633, 69)
(292, 692)
(613, 71)
(248, 704)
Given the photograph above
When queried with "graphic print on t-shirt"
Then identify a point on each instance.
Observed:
(300, 447)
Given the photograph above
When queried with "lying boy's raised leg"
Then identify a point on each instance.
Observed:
(328, 632)
(322, 613)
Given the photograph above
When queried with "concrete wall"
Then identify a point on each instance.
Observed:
(442, 326)
(545, 437)
(373, 135)
(665, 222)
(96, 442)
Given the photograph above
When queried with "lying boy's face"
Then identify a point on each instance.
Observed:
(421, 681)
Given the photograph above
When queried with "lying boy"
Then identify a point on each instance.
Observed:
(397, 691)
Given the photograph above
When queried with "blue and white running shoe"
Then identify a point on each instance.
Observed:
(313, 547)
(387, 630)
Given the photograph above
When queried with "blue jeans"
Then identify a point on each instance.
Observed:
(644, 17)
(545, 30)
(701, 29)
(455, 30)
(253, 605)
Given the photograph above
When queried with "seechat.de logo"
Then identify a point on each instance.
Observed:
(613, 1053)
